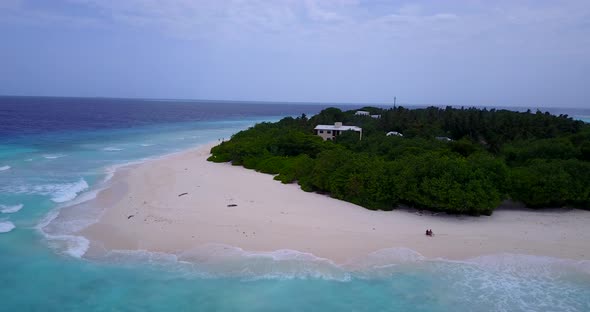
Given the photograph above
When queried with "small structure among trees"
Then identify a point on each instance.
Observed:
(329, 132)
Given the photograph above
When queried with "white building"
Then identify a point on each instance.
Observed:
(329, 132)
(394, 133)
(365, 113)
(445, 139)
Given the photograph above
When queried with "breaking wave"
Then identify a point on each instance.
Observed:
(53, 156)
(59, 192)
(502, 282)
(64, 192)
(219, 260)
(6, 226)
(112, 149)
(11, 209)
(60, 237)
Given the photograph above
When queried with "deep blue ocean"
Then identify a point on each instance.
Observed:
(57, 151)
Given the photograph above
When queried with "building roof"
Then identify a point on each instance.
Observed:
(360, 112)
(341, 128)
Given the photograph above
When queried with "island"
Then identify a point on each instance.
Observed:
(214, 212)
(454, 160)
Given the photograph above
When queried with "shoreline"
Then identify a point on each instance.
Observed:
(142, 210)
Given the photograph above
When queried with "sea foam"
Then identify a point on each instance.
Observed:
(112, 149)
(4, 168)
(111, 170)
(6, 226)
(53, 156)
(59, 192)
(523, 282)
(528, 265)
(220, 260)
(60, 239)
(10, 209)
(69, 191)
(75, 246)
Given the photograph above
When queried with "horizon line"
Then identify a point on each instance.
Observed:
(283, 102)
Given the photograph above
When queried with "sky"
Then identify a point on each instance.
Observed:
(470, 52)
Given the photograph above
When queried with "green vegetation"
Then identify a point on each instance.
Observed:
(535, 158)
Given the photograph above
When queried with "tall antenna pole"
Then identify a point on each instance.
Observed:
(394, 100)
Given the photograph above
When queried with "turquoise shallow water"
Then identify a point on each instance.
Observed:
(42, 171)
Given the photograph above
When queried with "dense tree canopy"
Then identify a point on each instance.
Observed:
(536, 158)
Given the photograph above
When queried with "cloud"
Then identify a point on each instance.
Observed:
(308, 49)
(409, 10)
(339, 24)
(321, 15)
(318, 19)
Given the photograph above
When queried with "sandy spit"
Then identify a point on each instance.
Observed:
(182, 201)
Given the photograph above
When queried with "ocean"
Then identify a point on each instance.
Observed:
(58, 151)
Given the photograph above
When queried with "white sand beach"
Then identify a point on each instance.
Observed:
(235, 206)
